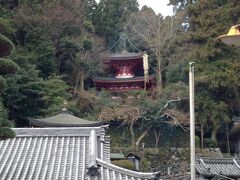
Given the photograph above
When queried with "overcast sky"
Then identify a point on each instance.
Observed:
(159, 6)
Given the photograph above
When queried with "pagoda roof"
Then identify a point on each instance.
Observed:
(124, 56)
(64, 119)
(113, 79)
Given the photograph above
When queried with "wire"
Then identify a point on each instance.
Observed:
(115, 44)
(131, 43)
(123, 38)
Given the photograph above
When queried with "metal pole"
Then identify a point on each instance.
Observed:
(192, 120)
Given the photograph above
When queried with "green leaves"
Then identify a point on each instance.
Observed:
(55, 92)
(109, 17)
(6, 46)
(7, 66)
(211, 113)
(5, 131)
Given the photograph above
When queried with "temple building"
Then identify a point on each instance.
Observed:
(64, 147)
(62, 153)
(130, 71)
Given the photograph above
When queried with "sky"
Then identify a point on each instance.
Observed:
(159, 6)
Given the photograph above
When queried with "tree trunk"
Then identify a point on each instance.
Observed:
(76, 86)
(157, 137)
(228, 143)
(82, 77)
(202, 134)
(214, 133)
(132, 135)
(141, 137)
(235, 88)
(159, 75)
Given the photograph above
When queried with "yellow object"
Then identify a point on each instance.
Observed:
(232, 37)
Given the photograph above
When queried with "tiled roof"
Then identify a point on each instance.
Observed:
(124, 56)
(61, 153)
(214, 167)
(48, 153)
(120, 80)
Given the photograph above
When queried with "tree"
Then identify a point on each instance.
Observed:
(211, 114)
(38, 42)
(28, 95)
(7, 66)
(217, 66)
(157, 33)
(143, 115)
(55, 94)
(67, 15)
(109, 16)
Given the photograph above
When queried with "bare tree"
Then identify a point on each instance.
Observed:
(53, 16)
(138, 118)
(156, 32)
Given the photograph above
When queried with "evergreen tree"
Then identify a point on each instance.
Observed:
(29, 95)
(110, 15)
(38, 42)
(217, 65)
(6, 67)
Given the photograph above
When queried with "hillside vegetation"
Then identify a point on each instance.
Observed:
(59, 46)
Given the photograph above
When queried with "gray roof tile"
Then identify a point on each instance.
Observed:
(60, 153)
(211, 167)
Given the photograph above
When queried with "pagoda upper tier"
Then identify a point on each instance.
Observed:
(129, 73)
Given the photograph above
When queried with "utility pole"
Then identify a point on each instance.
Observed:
(192, 120)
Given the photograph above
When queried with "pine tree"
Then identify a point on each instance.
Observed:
(6, 67)
(110, 15)
(217, 65)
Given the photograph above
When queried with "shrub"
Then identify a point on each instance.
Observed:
(210, 143)
(197, 142)
(124, 164)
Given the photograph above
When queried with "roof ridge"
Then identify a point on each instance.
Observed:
(58, 131)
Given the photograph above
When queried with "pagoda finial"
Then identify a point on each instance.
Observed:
(124, 42)
(123, 38)
(64, 109)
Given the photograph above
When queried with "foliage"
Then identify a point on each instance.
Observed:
(159, 37)
(197, 142)
(38, 42)
(210, 143)
(55, 93)
(59, 45)
(3, 84)
(124, 164)
(6, 46)
(6, 67)
(26, 90)
(109, 16)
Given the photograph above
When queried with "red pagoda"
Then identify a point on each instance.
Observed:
(131, 73)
